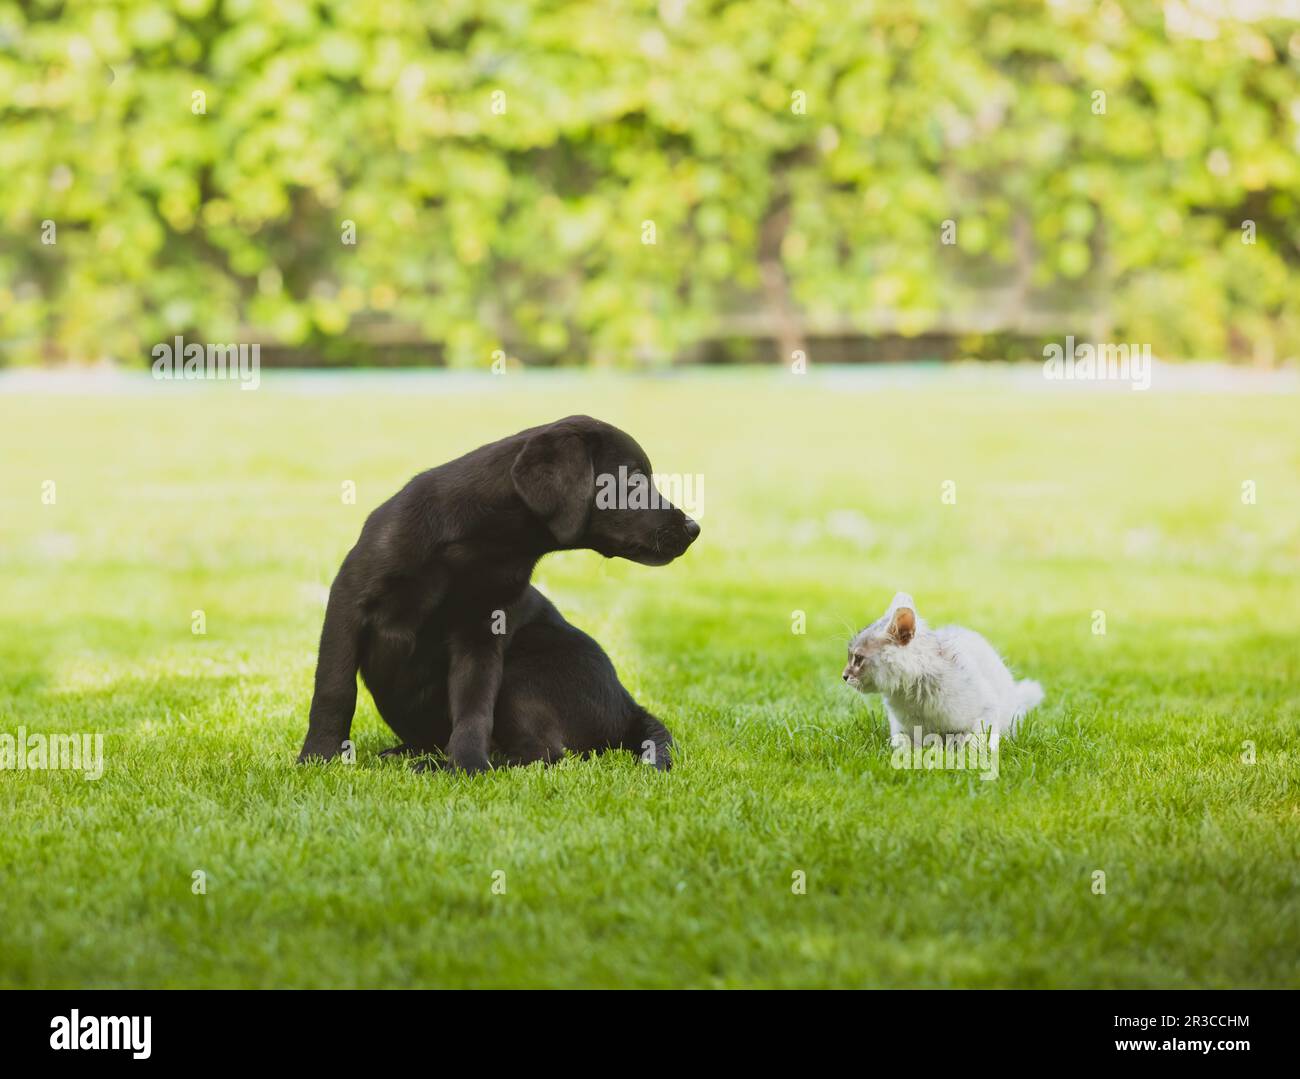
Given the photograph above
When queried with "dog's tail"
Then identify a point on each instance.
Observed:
(649, 739)
(1028, 695)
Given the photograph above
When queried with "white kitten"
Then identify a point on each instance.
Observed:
(945, 681)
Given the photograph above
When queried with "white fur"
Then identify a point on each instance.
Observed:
(946, 681)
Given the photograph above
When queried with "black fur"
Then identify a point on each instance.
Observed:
(442, 568)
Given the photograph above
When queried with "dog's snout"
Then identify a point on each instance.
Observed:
(692, 527)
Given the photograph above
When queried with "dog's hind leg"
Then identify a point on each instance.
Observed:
(560, 693)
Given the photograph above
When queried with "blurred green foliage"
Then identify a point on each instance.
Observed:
(501, 159)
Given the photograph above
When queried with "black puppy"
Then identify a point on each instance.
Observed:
(459, 651)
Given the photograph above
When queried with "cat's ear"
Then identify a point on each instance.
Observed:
(902, 618)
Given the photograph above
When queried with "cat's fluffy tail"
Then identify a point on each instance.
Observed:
(1029, 694)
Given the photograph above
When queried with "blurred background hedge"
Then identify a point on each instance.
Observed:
(505, 164)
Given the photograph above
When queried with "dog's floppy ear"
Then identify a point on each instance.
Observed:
(902, 618)
(554, 476)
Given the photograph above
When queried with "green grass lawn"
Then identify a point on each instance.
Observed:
(822, 495)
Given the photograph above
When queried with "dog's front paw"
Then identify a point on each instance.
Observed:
(470, 762)
(467, 752)
(319, 749)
